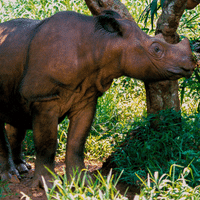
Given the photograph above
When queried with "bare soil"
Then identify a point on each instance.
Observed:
(16, 189)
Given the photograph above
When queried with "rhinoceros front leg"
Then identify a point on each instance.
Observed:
(79, 127)
(7, 166)
(15, 137)
(45, 122)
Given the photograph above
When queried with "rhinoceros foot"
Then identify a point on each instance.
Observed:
(23, 167)
(7, 170)
(39, 181)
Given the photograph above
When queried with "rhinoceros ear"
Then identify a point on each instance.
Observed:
(110, 22)
(112, 14)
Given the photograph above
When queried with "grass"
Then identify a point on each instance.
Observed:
(4, 187)
(100, 189)
(38, 9)
(168, 186)
(119, 111)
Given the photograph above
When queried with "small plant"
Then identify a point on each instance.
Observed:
(83, 187)
(3, 188)
(168, 186)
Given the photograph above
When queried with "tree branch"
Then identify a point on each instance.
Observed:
(169, 20)
(98, 6)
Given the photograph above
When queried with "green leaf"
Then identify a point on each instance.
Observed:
(197, 75)
(153, 11)
(182, 93)
(162, 3)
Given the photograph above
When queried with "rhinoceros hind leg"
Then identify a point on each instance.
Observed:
(15, 137)
(7, 166)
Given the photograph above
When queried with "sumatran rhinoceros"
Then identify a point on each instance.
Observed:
(58, 67)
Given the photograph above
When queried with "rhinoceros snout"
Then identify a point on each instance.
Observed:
(180, 71)
(187, 72)
(189, 65)
(186, 62)
(184, 68)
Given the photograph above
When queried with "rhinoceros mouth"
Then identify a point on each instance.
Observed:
(180, 72)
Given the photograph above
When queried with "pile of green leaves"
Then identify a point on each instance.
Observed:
(156, 149)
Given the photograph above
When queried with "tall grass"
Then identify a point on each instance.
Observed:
(38, 9)
(100, 189)
(168, 186)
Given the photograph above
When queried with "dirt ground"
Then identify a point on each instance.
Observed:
(19, 188)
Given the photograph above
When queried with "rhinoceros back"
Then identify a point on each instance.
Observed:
(15, 37)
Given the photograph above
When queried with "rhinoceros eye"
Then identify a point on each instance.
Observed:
(156, 50)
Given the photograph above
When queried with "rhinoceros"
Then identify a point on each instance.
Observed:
(59, 67)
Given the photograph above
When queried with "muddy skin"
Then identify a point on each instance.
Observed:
(58, 67)
(192, 4)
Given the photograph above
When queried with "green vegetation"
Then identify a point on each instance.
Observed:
(120, 110)
(157, 149)
(100, 189)
(168, 186)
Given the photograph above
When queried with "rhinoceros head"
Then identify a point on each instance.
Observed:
(171, 61)
(148, 58)
(154, 59)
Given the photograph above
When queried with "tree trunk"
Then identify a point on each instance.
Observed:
(160, 95)
(164, 95)
(98, 6)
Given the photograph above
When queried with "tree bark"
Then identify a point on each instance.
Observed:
(192, 4)
(160, 95)
(164, 95)
(98, 6)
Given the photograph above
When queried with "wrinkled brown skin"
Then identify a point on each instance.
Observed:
(59, 67)
(192, 4)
